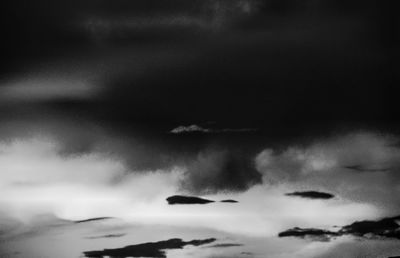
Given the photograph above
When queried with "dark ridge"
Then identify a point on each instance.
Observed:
(312, 195)
(180, 199)
(225, 245)
(106, 236)
(360, 168)
(247, 253)
(386, 227)
(152, 249)
(92, 219)
(229, 200)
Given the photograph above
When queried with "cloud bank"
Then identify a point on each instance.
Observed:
(39, 178)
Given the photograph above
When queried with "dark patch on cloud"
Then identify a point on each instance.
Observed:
(224, 245)
(152, 249)
(383, 228)
(180, 199)
(229, 201)
(312, 195)
(198, 129)
(386, 227)
(312, 233)
(220, 170)
(360, 168)
(93, 219)
(107, 236)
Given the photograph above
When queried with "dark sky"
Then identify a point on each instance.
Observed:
(122, 103)
(275, 65)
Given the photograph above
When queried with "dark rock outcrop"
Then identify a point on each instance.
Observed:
(316, 234)
(230, 201)
(152, 249)
(386, 228)
(181, 199)
(312, 195)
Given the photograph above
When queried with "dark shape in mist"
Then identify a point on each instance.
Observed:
(219, 171)
(198, 129)
(313, 233)
(230, 201)
(180, 199)
(152, 249)
(312, 195)
(386, 227)
(360, 168)
(107, 236)
(93, 219)
(224, 245)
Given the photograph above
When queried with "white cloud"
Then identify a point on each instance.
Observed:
(189, 129)
(195, 128)
(326, 165)
(47, 88)
(36, 179)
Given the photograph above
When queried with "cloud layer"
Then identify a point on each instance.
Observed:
(39, 177)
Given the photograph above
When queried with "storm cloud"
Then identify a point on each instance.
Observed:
(220, 170)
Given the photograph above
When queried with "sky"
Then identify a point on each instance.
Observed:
(109, 107)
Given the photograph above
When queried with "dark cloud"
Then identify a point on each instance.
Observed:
(311, 233)
(224, 245)
(220, 170)
(107, 236)
(359, 168)
(245, 64)
(92, 219)
(155, 249)
(383, 228)
(195, 128)
(312, 195)
(386, 227)
(229, 201)
(180, 199)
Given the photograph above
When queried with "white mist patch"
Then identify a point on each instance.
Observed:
(45, 88)
(364, 150)
(37, 179)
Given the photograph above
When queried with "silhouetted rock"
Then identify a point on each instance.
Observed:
(229, 200)
(180, 199)
(92, 219)
(386, 227)
(152, 249)
(312, 195)
(302, 232)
